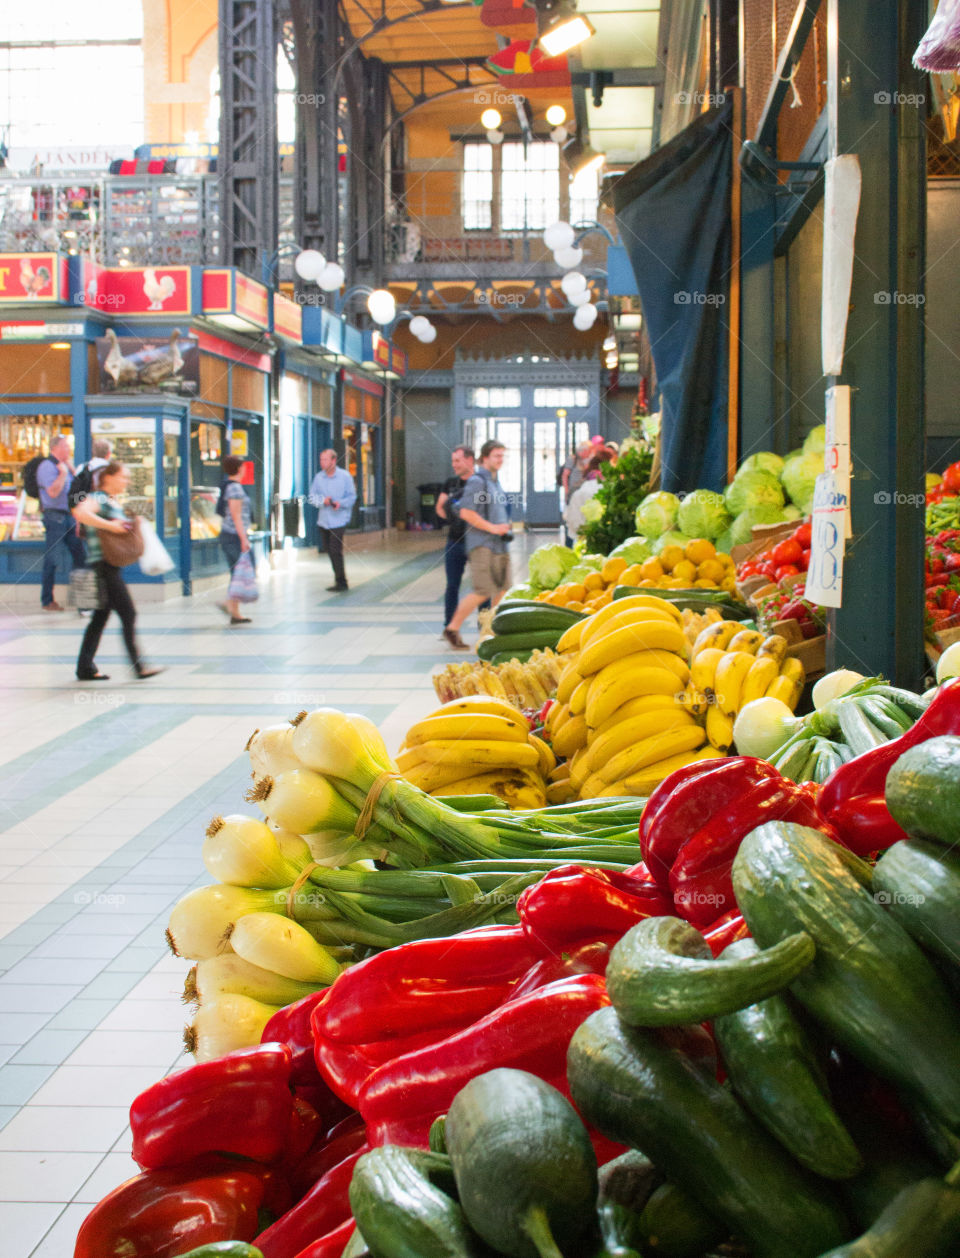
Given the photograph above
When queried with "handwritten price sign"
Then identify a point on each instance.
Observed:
(824, 584)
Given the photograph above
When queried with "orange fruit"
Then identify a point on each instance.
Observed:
(670, 556)
(699, 549)
(685, 571)
(652, 569)
(630, 575)
(711, 570)
(729, 583)
(575, 605)
(612, 569)
(575, 593)
(593, 582)
(704, 583)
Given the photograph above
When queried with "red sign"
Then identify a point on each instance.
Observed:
(148, 290)
(361, 382)
(32, 277)
(217, 288)
(287, 318)
(251, 301)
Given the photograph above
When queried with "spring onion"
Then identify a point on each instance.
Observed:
(230, 974)
(271, 751)
(280, 944)
(200, 921)
(245, 852)
(832, 685)
(303, 801)
(226, 1024)
(763, 726)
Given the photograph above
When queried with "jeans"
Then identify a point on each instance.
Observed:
(331, 541)
(60, 527)
(117, 600)
(454, 561)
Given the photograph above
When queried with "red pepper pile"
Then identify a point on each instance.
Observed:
(949, 486)
(784, 559)
(942, 579)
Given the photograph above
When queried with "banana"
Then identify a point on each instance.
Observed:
(646, 635)
(411, 759)
(571, 737)
(632, 616)
(561, 773)
(570, 638)
(786, 688)
(649, 750)
(528, 688)
(746, 640)
(646, 781)
(562, 711)
(792, 668)
(480, 753)
(560, 793)
(633, 731)
(616, 790)
(578, 769)
(504, 783)
(548, 761)
(635, 707)
(717, 635)
(570, 679)
(719, 729)
(774, 645)
(578, 700)
(729, 678)
(703, 669)
(620, 605)
(435, 777)
(489, 683)
(693, 700)
(482, 703)
(592, 786)
(546, 668)
(608, 692)
(761, 674)
(483, 725)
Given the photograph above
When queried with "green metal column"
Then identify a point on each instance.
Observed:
(875, 105)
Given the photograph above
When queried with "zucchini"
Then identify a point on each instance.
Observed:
(923, 790)
(870, 985)
(773, 1068)
(436, 1137)
(858, 731)
(696, 600)
(628, 1180)
(356, 1246)
(402, 1200)
(922, 1221)
(526, 620)
(674, 1225)
(525, 1168)
(536, 640)
(635, 1086)
(920, 885)
(662, 973)
(507, 657)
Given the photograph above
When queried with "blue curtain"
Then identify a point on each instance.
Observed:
(673, 211)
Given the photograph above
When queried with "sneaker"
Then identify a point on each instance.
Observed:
(143, 671)
(240, 620)
(52, 607)
(337, 589)
(453, 637)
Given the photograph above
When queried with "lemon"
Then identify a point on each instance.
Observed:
(670, 556)
(711, 570)
(685, 571)
(700, 550)
(652, 569)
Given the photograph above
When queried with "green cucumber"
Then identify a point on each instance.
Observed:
(635, 1086)
(662, 973)
(888, 1165)
(403, 1211)
(515, 657)
(920, 885)
(526, 620)
(773, 1068)
(224, 1249)
(628, 1180)
(869, 985)
(531, 641)
(356, 1246)
(923, 790)
(922, 1221)
(525, 1168)
(436, 1137)
(674, 1225)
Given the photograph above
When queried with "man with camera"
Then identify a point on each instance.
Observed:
(483, 509)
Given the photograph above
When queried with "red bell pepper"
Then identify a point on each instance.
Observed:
(325, 1208)
(332, 1245)
(291, 1026)
(864, 825)
(573, 903)
(342, 1141)
(240, 1103)
(726, 930)
(160, 1214)
(401, 1099)
(587, 957)
(346, 1066)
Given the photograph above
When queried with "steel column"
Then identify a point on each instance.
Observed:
(247, 163)
(875, 110)
(316, 27)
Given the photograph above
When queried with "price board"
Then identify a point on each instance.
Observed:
(824, 584)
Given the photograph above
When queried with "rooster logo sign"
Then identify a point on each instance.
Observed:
(157, 290)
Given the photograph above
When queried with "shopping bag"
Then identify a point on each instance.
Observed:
(86, 593)
(243, 580)
(155, 560)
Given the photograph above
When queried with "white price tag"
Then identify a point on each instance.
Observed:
(836, 455)
(824, 584)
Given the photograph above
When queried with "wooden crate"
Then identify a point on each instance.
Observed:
(762, 536)
(811, 652)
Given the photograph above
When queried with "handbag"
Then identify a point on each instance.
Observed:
(86, 591)
(243, 580)
(155, 560)
(120, 549)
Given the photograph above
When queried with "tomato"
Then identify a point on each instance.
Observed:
(748, 570)
(951, 479)
(935, 494)
(803, 534)
(788, 551)
(769, 569)
(804, 560)
(787, 570)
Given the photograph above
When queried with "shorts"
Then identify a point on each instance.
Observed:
(489, 571)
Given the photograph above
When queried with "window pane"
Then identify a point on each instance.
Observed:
(510, 475)
(545, 458)
(477, 192)
(529, 186)
(585, 197)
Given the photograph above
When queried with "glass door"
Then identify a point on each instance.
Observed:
(543, 495)
(512, 474)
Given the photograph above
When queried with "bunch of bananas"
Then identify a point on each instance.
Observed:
(730, 666)
(477, 745)
(526, 686)
(617, 718)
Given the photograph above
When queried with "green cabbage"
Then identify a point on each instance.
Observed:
(703, 514)
(741, 529)
(750, 489)
(578, 572)
(762, 461)
(592, 510)
(549, 565)
(670, 538)
(633, 550)
(521, 591)
(815, 440)
(724, 542)
(593, 562)
(792, 512)
(657, 513)
(799, 479)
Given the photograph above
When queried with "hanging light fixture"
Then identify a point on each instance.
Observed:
(490, 119)
(567, 30)
(309, 264)
(581, 299)
(582, 157)
(568, 259)
(585, 317)
(610, 342)
(559, 236)
(495, 137)
(331, 277)
(382, 306)
(556, 115)
(573, 282)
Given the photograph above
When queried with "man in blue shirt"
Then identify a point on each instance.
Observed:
(333, 493)
(54, 476)
(483, 509)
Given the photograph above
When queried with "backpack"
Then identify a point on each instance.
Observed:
(80, 487)
(30, 483)
(221, 507)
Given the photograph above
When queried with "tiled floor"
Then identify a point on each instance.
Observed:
(104, 796)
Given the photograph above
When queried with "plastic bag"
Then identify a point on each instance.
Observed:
(243, 580)
(939, 50)
(86, 592)
(155, 560)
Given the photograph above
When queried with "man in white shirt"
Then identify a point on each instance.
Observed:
(333, 493)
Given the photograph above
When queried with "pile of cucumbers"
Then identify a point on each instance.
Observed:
(836, 1131)
(522, 626)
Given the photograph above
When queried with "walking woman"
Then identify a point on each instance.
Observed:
(234, 536)
(99, 513)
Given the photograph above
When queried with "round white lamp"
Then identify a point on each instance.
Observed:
(573, 282)
(568, 259)
(585, 317)
(331, 277)
(559, 236)
(382, 306)
(309, 264)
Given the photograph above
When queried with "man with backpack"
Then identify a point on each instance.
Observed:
(53, 477)
(102, 453)
(485, 511)
(463, 462)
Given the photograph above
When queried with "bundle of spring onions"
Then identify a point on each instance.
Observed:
(298, 897)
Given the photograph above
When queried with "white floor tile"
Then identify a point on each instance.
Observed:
(44, 1176)
(38, 1128)
(23, 1225)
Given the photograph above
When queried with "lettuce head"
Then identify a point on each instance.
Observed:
(815, 440)
(703, 514)
(799, 479)
(671, 538)
(521, 591)
(762, 461)
(741, 529)
(549, 565)
(750, 489)
(657, 513)
(633, 550)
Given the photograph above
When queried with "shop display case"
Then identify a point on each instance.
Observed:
(22, 438)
